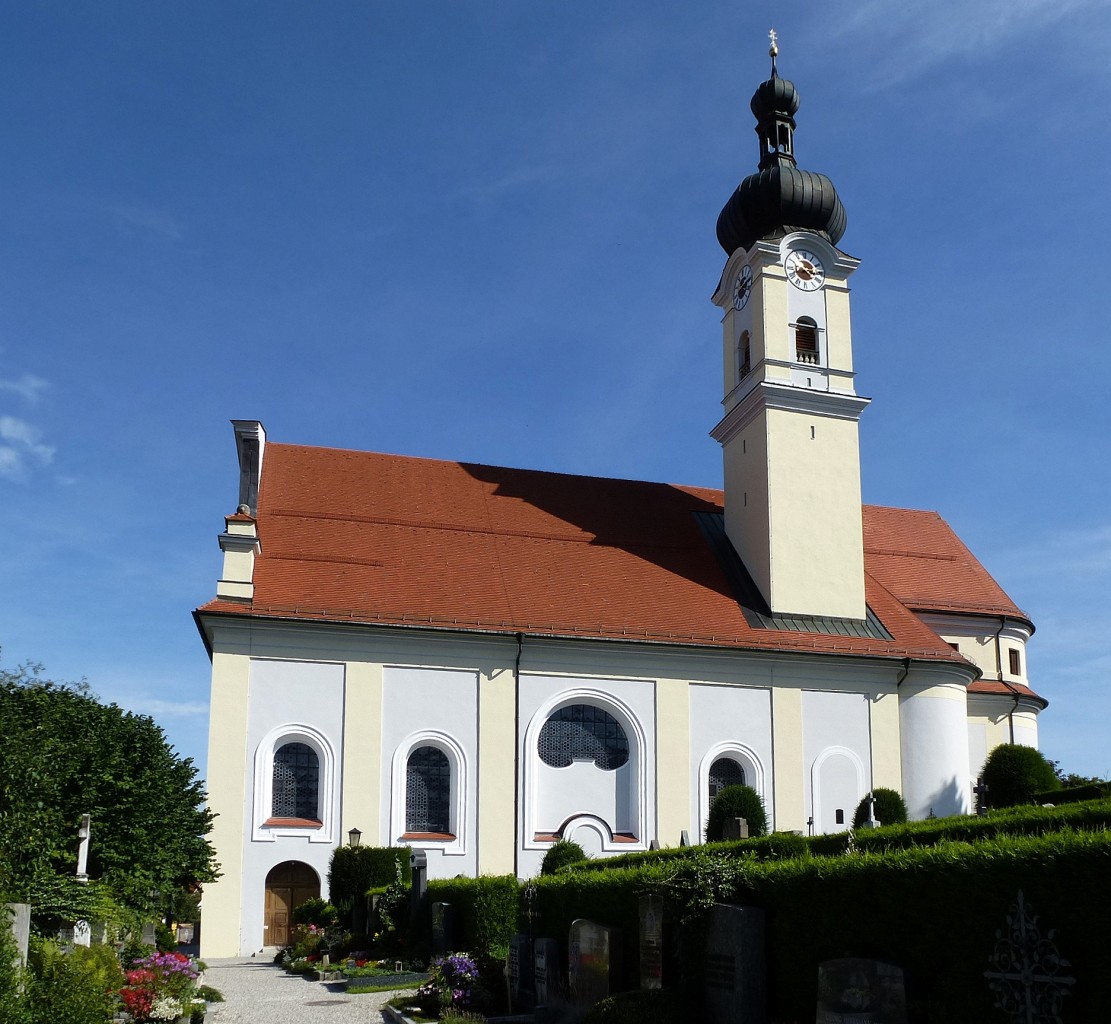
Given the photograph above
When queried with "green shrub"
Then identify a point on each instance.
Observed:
(77, 988)
(662, 1006)
(889, 808)
(315, 911)
(1014, 773)
(355, 870)
(561, 853)
(209, 994)
(736, 802)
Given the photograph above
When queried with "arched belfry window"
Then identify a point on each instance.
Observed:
(428, 791)
(583, 732)
(724, 772)
(806, 340)
(744, 355)
(296, 789)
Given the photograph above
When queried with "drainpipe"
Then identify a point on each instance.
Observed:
(517, 757)
(906, 672)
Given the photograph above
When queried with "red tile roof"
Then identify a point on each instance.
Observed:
(394, 540)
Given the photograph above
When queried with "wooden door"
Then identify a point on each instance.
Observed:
(287, 886)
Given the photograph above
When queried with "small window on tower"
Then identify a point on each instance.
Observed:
(744, 356)
(1016, 662)
(806, 340)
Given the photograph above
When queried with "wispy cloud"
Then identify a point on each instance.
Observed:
(28, 387)
(146, 218)
(19, 446)
(158, 708)
(901, 41)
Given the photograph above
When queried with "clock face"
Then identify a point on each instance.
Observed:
(742, 288)
(804, 270)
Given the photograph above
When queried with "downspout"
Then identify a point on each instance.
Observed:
(999, 675)
(906, 672)
(517, 757)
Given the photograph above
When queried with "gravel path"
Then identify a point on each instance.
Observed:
(258, 992)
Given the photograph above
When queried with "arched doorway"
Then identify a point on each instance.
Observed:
(288, 885)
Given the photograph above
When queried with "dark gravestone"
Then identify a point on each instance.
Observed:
(519, 972)
(734, 967)
(593, 960)
(651, 912)
(734, 828)
(418, 864)
(443, 929)
(545, 959)
(858, 991)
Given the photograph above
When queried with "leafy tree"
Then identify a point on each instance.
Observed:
(1015, 773)
(1071, 780)
(889, 808)
(736, 802)
(66, 754)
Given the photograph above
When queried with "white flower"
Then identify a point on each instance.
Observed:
(165, 1008)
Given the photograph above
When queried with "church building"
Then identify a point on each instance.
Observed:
(477, 661)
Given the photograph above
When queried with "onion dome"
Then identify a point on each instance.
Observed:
(779, 198)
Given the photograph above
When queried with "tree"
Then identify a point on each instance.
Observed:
(889, 808)
(66, 754)
(736, 802)
(560, 854)
(1014, 773)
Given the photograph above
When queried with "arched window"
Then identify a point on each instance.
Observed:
(724, 772)
(296, 791)
(806, 340)
(428, 791)
(744, 357)
(583, 732)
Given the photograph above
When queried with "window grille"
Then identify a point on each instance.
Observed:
(583, 732)
(296, 782)
(428, 791)
(725, 772)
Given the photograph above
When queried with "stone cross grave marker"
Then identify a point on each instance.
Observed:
(518, 970)
(855, 989)
(545, 959)
(651, 912)
(735, 991)
(593, 959)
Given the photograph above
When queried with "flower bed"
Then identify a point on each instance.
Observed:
(162, 987)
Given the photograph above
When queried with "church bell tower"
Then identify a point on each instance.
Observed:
(789, 433)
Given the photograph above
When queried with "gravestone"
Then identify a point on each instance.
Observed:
(545, 975)
(684, 838)
(19, 920)
(443, 928)
(593, 962)
(734, 828)
(651, 913)
(518, 970)
(735, 991)
(148, 937)
(855, 990)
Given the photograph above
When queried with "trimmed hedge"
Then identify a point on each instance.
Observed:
(895, 906)
(1014, 773)
(486, 909)
(777, 846)
(355, 870)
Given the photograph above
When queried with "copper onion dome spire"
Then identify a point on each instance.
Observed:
(779, 197)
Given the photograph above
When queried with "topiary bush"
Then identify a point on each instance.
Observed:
(889, 808)
(562, 853)
(1014, 774)
(736, 802)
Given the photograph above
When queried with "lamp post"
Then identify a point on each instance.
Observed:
(353, 837)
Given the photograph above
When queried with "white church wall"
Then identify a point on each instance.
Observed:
(729, 721)
(290, 701)
(439, 708)
(620, 800)
(837, 755)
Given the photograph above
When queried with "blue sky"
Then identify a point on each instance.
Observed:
(485, 231)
